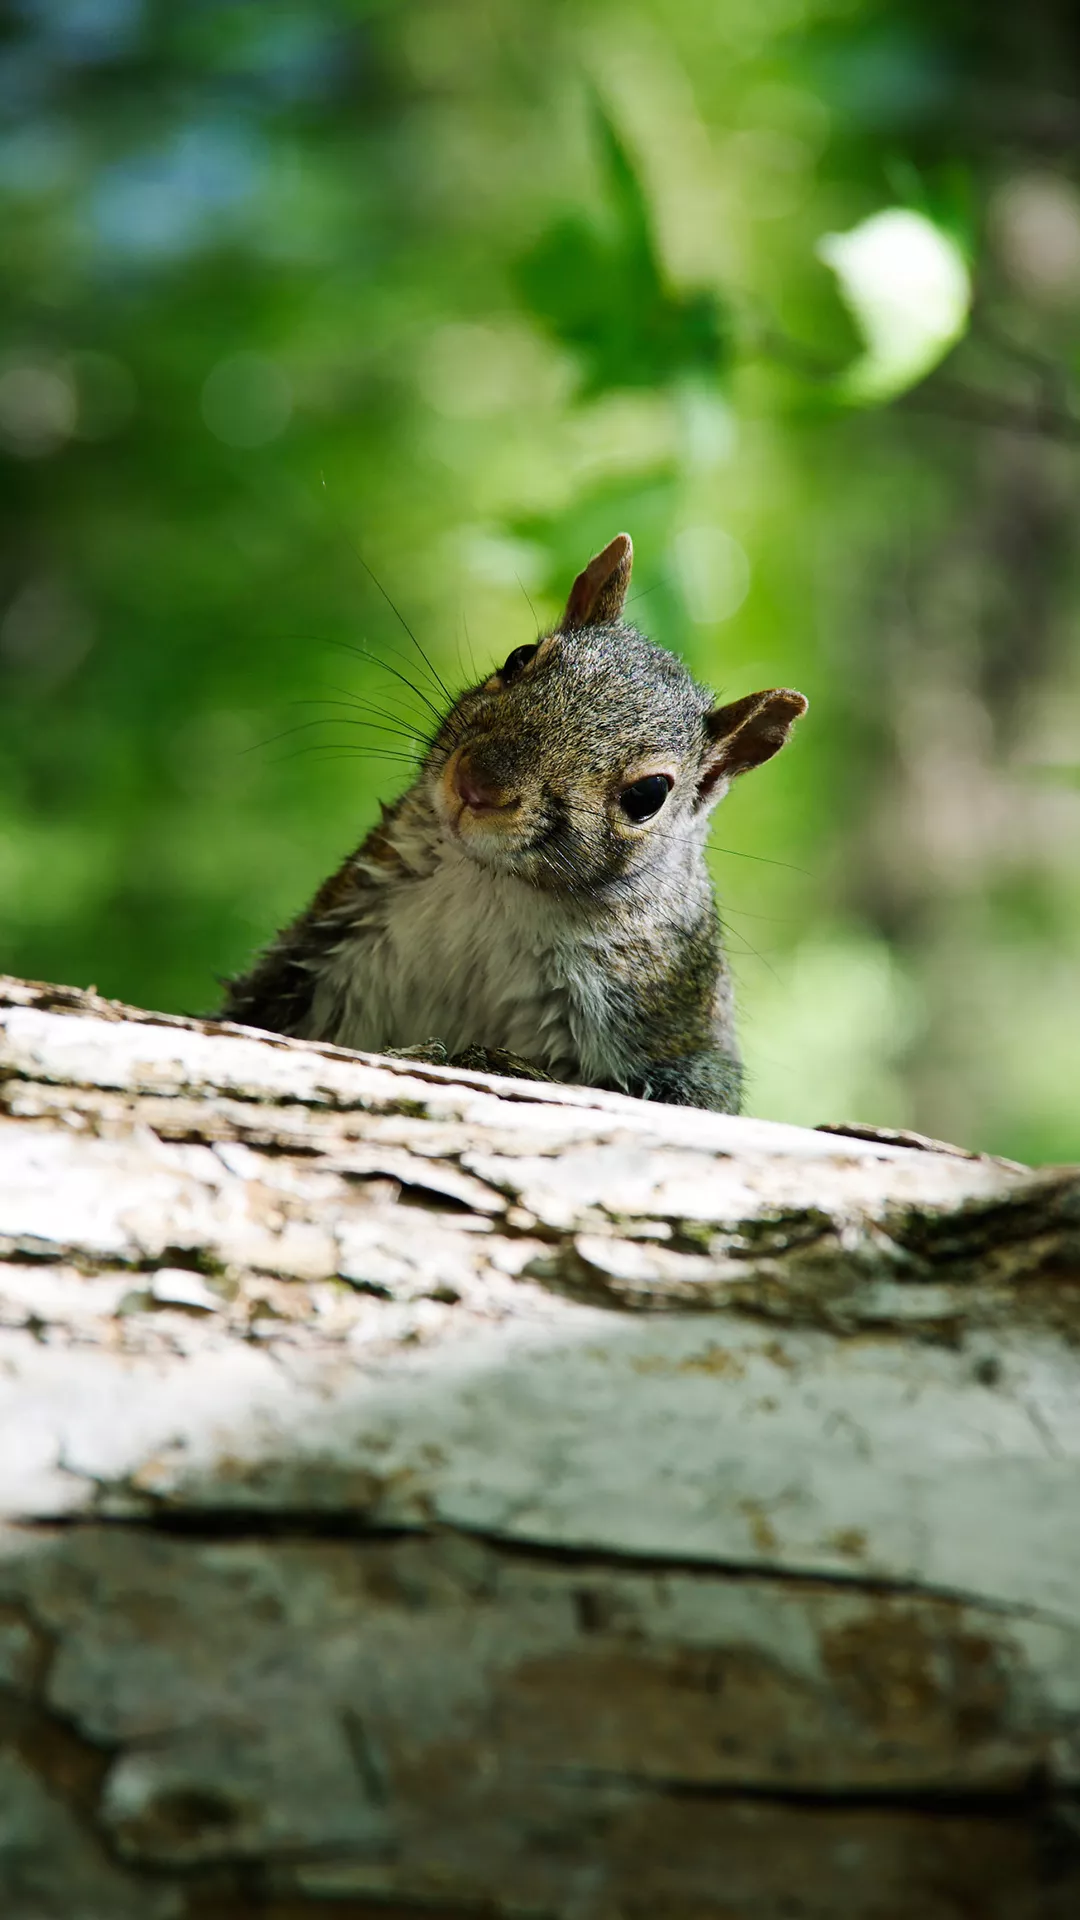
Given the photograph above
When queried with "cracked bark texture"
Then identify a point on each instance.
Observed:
(429, 1495)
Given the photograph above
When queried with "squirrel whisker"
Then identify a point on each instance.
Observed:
(396, 611)
(541, 889)
(334, 750)
(362, 653)
(329, 720)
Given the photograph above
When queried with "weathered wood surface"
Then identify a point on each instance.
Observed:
(427, 1495)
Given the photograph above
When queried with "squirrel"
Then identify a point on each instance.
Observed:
(539, 898)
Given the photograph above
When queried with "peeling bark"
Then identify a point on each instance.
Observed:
(425, 1494)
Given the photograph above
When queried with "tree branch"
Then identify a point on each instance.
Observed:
(478, 1496)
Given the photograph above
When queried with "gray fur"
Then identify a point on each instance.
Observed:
(545, 924)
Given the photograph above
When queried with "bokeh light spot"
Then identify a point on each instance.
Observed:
(45, 632)
(246, 400)
(908, 287)
(772, 170)
(37, 409)
(714, 573)
(1035, 221)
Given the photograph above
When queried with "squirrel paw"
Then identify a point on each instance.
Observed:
(498, 1060)
(434, 1053)
(429, 1053)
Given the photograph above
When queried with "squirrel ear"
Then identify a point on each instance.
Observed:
(597, 595)
(744, 735)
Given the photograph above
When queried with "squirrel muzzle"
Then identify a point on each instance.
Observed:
(478, 798)
(478, 787)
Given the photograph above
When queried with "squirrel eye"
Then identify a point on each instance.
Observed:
(643, 798)
(514, 662)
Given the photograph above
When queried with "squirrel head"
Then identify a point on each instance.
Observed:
(591, 751)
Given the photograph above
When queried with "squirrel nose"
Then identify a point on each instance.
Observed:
(477, 791)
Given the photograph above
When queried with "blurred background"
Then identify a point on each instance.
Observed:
(453, 292)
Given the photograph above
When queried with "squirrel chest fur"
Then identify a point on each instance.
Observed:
(542, 890)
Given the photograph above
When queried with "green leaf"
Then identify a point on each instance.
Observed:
(907, 285)
(598, 288)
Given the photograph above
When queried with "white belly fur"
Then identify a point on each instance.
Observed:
(470, 958)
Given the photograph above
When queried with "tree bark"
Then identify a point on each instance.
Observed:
(431, 1495)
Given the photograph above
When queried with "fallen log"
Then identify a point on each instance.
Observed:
(432, 1495)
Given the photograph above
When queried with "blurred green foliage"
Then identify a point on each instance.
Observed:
(454, 291)
(602, 292)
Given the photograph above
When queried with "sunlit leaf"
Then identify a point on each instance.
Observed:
(909, 290)
(598, 287)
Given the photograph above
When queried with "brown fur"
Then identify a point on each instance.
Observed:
(517, 899)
